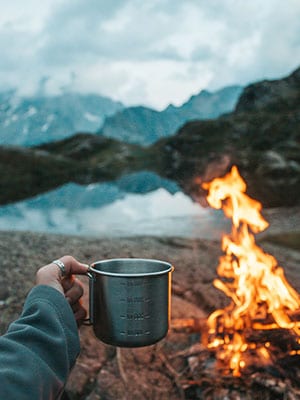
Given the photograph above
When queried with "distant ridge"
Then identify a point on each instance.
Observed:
(145, 126)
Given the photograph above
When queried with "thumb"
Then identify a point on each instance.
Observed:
(73, 266)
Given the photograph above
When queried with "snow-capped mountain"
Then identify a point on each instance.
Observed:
(28, 121)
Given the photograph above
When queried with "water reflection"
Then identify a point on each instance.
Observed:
(137, 204)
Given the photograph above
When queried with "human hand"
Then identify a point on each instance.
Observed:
(67, 284)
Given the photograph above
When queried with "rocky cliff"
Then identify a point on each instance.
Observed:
(262, 137)
(274, 96)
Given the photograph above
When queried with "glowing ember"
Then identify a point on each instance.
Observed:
(261, 298)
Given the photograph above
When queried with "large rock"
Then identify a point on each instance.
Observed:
(262, 137)
(273, 96)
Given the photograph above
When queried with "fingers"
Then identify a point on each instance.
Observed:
(52, 275)
(73, 289)
(64, 281)
(80, 314)
(78, 310)
(73, 266)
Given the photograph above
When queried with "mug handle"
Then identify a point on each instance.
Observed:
(89, 320)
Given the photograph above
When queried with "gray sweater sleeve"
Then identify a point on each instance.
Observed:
(39, 349)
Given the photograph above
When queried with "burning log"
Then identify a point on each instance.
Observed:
(211, 377)
(189, 325)
(278, 340)
(199, 325)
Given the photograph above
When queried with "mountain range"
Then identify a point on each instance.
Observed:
(30, 121)
(261, 136)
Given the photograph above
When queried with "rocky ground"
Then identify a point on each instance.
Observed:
(165, 370)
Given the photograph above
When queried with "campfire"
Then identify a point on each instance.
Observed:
(261, 299)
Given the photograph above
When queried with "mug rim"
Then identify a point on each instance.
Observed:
(168, 267)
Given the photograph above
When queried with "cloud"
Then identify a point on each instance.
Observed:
(123, 31)
(152, 52)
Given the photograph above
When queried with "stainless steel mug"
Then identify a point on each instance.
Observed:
(130, 300)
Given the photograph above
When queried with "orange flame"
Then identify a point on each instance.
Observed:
(251, 278)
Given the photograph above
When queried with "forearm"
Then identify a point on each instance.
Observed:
(40, 347)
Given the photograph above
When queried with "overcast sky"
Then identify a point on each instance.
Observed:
(151, 52)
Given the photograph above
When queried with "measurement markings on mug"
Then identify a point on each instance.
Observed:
(132, 332)
(135, 316)
(137, 332)
(132, 299)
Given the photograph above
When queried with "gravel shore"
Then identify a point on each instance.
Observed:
(193, 294)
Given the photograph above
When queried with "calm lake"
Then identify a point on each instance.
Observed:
(137, 204)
